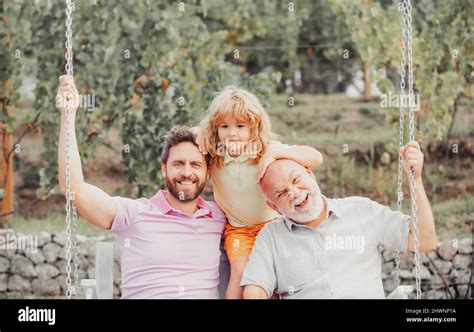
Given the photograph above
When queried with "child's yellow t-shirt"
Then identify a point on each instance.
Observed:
(237, 193)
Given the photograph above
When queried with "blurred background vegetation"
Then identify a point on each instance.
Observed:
(320, 68)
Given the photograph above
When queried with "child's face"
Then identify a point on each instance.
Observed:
(234, 134)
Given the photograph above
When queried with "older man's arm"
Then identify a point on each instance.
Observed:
(254, 292)
(394, 229)
(413, 160)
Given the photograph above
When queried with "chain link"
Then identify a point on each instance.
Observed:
(71, 234)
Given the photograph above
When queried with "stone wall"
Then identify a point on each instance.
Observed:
(445, 272)
(39, 270)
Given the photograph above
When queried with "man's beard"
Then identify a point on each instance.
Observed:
(311, 211)
(180, 194)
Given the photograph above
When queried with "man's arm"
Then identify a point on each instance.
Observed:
(254, 292)
(413, 159)
(95, 205)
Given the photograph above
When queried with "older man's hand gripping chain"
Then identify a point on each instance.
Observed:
(412, 158)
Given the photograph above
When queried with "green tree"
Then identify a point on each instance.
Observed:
(149, 65)
(443, 53)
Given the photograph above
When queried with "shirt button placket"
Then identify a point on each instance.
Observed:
(195, 222)
(320, 245)
(238, 173)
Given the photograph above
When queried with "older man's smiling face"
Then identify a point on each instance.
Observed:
(292, 191)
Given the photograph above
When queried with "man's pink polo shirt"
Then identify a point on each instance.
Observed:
(166, 253)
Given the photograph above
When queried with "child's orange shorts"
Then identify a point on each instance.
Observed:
(239, 241)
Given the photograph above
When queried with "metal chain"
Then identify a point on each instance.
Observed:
(74, 251)
(407, 52)
(400, 142)
(71, 238)
(414, 208)
(401, 136)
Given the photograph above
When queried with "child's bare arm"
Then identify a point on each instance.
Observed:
(302, 154)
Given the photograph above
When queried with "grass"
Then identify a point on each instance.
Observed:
(455, 206)
(53, 222)
(336, 119)
(331, 119)
(454, 218)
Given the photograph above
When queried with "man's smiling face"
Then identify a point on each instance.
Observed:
(185, 171)
(292, 190)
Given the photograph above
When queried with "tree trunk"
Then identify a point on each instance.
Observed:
(367, 92)
(6, 180)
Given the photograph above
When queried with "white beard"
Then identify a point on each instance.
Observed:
(311, 211)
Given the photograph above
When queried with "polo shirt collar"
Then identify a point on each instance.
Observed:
(243, 157)
(159, 199)
(332, 209)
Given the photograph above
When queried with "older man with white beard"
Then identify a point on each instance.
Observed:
(329, 248)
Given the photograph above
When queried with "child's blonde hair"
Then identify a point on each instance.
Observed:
(242, 106)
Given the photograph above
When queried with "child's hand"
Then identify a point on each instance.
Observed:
(264, 162)
(199, 138)
(412, 158)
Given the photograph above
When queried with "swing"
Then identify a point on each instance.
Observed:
(400, 291)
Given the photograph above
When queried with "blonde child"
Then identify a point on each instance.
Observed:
(236, 132)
